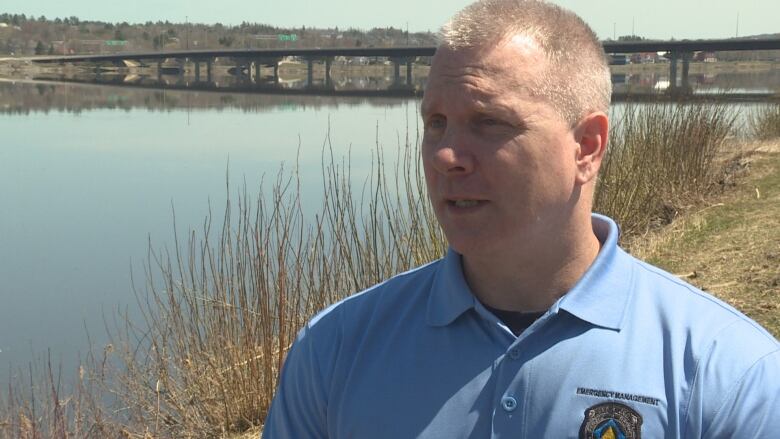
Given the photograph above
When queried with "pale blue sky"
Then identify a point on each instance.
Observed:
(654, 19)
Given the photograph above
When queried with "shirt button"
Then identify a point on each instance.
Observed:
(509, 403)
(514, 353)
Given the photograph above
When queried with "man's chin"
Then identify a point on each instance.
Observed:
(468, 244)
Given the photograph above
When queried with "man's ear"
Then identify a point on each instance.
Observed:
(591, 135)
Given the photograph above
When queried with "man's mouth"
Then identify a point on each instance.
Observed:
(464, 203)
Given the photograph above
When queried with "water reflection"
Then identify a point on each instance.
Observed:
(759, 83)
(259, 93)
(89, 175)
(25, 96)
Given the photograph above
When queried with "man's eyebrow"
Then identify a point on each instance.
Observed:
(495, 107)
(499, 108)
(486, 107)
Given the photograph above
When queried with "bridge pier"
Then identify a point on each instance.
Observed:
(686, 57)
(673, 71)
(258, 64)
(209, 68)
(397, 69)
(197, 70)
(684, 86)
(328, 62)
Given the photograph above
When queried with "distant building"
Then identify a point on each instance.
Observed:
(618, 59)
(644, 58)
(60, 48)
(705, 57)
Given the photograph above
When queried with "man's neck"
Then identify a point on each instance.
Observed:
(532, 276)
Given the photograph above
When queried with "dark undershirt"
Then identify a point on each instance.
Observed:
(516, 321)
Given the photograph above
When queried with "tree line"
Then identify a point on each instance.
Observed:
(27, 35)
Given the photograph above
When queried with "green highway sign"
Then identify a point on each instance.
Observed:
(288, 37)
(115, 42)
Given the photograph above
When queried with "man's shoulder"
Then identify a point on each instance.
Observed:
(391, 296)
(698, 313)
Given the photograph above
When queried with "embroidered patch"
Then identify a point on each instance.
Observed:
(611, 420)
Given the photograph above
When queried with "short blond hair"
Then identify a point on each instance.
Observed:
(577, 79)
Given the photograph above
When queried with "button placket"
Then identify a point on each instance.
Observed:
(511, 385)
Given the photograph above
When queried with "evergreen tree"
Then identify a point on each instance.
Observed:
(40, 49)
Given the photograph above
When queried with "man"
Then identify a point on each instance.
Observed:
(535, 324)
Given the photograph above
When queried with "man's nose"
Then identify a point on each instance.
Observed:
(453, 155)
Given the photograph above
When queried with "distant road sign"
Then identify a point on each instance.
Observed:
(116, 42)
(288, 37)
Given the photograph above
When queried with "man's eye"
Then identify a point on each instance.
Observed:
(489, 121)
(436, 123)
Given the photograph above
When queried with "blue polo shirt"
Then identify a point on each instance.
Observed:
(629, 352)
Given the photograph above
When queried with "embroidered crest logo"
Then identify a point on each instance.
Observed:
(611, 420)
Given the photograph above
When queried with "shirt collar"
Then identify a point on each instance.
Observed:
(599, 297)
(602, 294)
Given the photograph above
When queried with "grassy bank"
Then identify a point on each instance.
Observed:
(220, 309)
(730, 246)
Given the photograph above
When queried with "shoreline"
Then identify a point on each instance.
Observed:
(24, 67)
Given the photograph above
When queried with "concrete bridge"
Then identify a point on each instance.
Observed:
(400, 56)
(254, 58)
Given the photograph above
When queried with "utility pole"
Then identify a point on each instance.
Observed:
(614, 30)
(407, 34)
(187, 29)
(737, 23)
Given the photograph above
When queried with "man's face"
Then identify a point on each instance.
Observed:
(499, 163)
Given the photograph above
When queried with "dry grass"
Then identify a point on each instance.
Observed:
(221, 308)
(764, 122)
(42, 409)
(661, 157)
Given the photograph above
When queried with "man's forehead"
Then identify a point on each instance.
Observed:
(472, 60)
(472, 84)
(517, 59)
(486, 74)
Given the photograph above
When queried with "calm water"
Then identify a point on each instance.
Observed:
(89, 175)
(83, 187)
